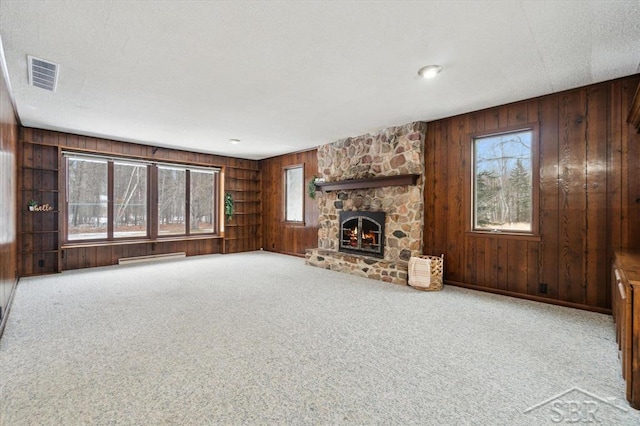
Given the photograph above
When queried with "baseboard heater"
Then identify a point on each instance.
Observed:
(151, 258)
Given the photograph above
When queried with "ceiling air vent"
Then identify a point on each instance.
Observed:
(43, 74)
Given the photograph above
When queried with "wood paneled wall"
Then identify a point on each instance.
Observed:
(279, 236)
(240, 175)
(624, 166)
(589, 193)
(8, 196)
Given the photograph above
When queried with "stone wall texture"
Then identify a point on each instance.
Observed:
(392, 151)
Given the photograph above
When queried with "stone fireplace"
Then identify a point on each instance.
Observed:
(395, 151)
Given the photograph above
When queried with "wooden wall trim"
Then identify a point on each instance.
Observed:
(9, 129)
(634, 112)
(531, 297)
(139, 241)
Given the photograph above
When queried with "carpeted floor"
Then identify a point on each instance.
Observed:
(260, 338)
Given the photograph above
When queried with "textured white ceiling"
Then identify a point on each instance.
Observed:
(291, 75)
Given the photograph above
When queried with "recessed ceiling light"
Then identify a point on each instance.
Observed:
(429, 71)
(234, 141)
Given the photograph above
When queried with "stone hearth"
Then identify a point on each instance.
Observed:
(364, 266)
(393, 151)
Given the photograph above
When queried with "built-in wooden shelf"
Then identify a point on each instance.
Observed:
(53, 231)
(239, 238)
(40, 169)
(39, 229)
(40, 251)
(375, 182)
(162, 239)
(243, 179)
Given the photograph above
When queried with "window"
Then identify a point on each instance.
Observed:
(109, 198)
(171, 200)
(294, 193)
(87, 199)
(202, 201)
(503, 176)
(130, 200)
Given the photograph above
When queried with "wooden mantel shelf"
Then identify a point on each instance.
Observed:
(375, 182)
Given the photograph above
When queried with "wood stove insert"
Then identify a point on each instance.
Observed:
(362, 232)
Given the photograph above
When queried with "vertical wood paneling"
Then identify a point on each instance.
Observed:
(502, 264)
(284, 237)
(596, 249)
(430, 195)
(245, 172)
(532, 271)
(475, 122)
(632, 173)
(91, 256)
(588, 187)
(471, 260)
(548, 114)
(455, 196)
(615, 168)
(517, 269)
(481, 259)
(532, 111)
(572, 201)
(436, 198)
(503, 117)
(491, 119)
(8, 199)
(494, 261)
(518, 114)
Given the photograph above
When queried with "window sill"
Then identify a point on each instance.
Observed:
(290, 223)
(140, 241)
(503, 235)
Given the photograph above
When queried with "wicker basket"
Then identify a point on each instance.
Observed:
(418, 276)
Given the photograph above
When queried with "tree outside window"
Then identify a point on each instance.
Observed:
(202, 202)
(87, 199)
(109, 198)
(171, 200)
(130, 200)
(502, 184)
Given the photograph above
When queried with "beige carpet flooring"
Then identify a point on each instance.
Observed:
(260, 338)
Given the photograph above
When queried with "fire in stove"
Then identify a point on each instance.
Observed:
(352, 236)
(367, 238)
